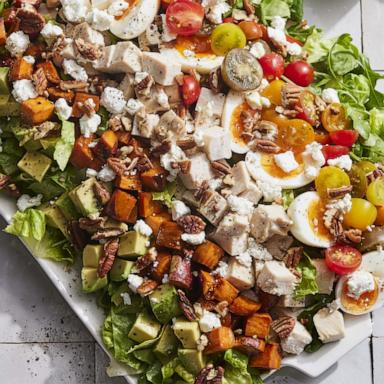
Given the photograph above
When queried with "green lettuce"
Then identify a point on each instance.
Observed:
(308, 284)
(270, 8)
(288, 197)
(316, 47)
(236, 359)
(168, 370)
(184, 374)
(166, 196)
(64, 146)
(28, 224)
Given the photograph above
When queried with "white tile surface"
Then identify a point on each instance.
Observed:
(378, 323)
(378, 353)
(101, 363)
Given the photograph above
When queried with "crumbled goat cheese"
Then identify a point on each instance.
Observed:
(175, 155)
(240, 205)
(277, 35)
(133, 106)
(29, 59)
(74, 70)
(254, 100)
(23, 90)
(270, 192)
(343, 162)
(343, 205)
(239, 14)
(188, 53)
(209, 321)
(278, 22)
(113, 100)
(202, 343)
(165, 279)
(222, 269)
(74, 10)
(106, 174)
(244, 259)
(63, 109)
(198, 137)
(90, 172)
(100, 20)
(194, 239)
(294, 49)
(89, 124)
(313, 159)
(330, 96)
(286, 161)
(117, 8)
(143, 228)
(134, 282)
(215, 184)
(258, 251)
(166, 35)
(51, 32)
(162, 99)
(257, 50)
(25, 201)
(126, 298)
(214, 10)
(179, 209)
(360, 282)
(17, 43)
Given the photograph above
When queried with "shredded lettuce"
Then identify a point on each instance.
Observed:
(64, 146)
(308, 284)
(288, 9)
(28, 224)
(166, 196)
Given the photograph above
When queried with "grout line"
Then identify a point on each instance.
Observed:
(45, 342)
(94, 359)
(361, 26)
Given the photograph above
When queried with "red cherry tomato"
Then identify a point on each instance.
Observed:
(184, 17)
(333, 151)
(342, 259)
(190, 90)
(300, 72)
(229, 20)
(273, 65)
(345, 137)
(165, 3)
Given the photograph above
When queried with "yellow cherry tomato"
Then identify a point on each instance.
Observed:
(362, 214)
(334, 118)
(273, 91)
(294, 135)
(358, 181)
(226, 37)
(329, 178)
(375, 192)
(366, 166)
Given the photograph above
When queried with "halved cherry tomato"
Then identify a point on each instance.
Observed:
(190, 90)
(345, 137)
(300, 72)
(375, 192)
(361, 215)
(334, 118)
(380, 216)
(358, 181)
(322, 138)
(330, 177)
(273, 65)
(343, 259)
(333, 151)
(294, 135)
(229, 20)
(184, 17)
(308, 106)
(366, 166)
(251, 29)
(273, 91)
(227, 36)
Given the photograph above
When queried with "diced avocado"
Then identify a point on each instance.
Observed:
(166, 347)
(55, 218)
(91, 280)
(145, 328)
(192, 360)
(35, 164)
(32, 145)
(67, 207)
(164, 303)
(91, 255)
(4, 88)
(4, 99)
(10, 108)
(121, 269)
(84, 198)
(188, 332)
(49, 144)
(132, 244)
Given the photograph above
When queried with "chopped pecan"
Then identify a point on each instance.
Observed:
(186, 143)
(88, 50)
(293, 256)
(107, 233)
(87, 107)
(333, 222)
(119, 166)
(53, 4)
(40, 81)
(290, 95)
(75, 85)
(57, 93)
(283, 326)
(250, 119)
(210, 375)
(31, 22)
(191, 224)
(249, 7)
(336, 193)
(265, 130)
(222, 167)
(4, 180)
(77, 235)
(266, 146)
(204, 192)
(45, 129)
(12, 190)
(106, 261)
(92, 225)
(144, 263)
(98, 83)
(143, 164)
(351, 236)
(102, 193)
(222, 308)
(184, 165)
(375, 174)
(161, 149)
(147, 287)
(186, 306)
(115, 124)
(216, 82)
(143, 88)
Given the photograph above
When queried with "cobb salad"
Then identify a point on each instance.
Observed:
(217, 166)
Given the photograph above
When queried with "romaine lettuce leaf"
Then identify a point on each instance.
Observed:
(308, 284)
(64, 146)
(28, 224)
(236, 359)
(270, 8)
(166, 196)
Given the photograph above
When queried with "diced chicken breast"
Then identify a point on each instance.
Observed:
(126, 58)
(252, 193)
(104, 63)
(297, 340)
(214, 208)
(85, 32)
(241, 178)
(171, 126)
(213, 101)
(234, 245)
(199, 171)
(234, 224)
(239, 275)
(127, 86)
(325, 278)
(217, 144)
(329, 325)
(278, 245)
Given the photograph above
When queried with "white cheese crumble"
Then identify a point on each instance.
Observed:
(133, 106)
(202, 343)
(286, 161)
(162, 99)
(106, 174)
(100, 20)
(244, 259)
(222, 269)
(343, 205)
(143, 228)
(25, 201)
(194, 239)
(330, 95)
(239, 14)
(23, 90)
(90, 172)
(179, 209)
(254, 100)
(258, 251)
(294, 49)
(113, 100)
(257, 50)
(239, 205)
(89, 124)
(198, 137)
(165, 279)
(343, 162)
(63, 109)
(29, 59)
(176, 154)
(74, 10)
(214, 10)
(126, 298)
(74, 70)
(17, 43)
(134, 282)
(50, 32)
(270, 192)
(313, 159)
(277, 35)
(278, 22)
(117, 8)
(360, 282)
(209, 321)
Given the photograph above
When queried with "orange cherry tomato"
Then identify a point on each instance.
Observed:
(294, 135)
(380, 216)
(334, 118)
(251, 29)
(322, 138)
(273, 91)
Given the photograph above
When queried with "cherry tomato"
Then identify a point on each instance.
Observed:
(273, 91)
(273, 65)
(184, 17)
(291, 39)
(343, 259)
(322, 138)
(165, 3)
(345, 137)
(294, 135)
(375, 192)
(334, 151)
(308, 106)
(229, 20)
(300, 72)
(190, 90)
(366, 166)
(225, 37)
(380, 216)
(362, 214)
(358, 181)
(251, 29)
(334, 118)
(328, 178)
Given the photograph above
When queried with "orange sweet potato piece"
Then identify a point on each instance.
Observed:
(208, 284)
(180, 272)
(121, 205)
(154, 179)
(243, 306)
(269, 359)
(220, 339)
(82, 155)
(107, 144)
(258, 325)
(57, 93)
(79, 99)
(133, 216)
(36, 111)
(224, 291)
(3, 34)
(155, 221)
(147, 206)
(249, 345)
(129, 183)
(50, 72)
(35, 50)
(21, 69)
(208, 254)
(162, 265)
(169, 235)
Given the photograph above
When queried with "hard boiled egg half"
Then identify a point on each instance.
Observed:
(306, 212)
(368, 280)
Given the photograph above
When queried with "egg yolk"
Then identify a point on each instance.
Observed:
(315, 218)
(269, 165)
(199, 45)
(237, 124)
(131, 4)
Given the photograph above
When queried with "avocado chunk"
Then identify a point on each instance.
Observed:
(67, 207)
(9, 107)
(84, 198)
(188, 332)
(164, 303)
(49, 144)
(91, 280)
(91, 255)
(132, 244)
(55, 218)
(145, 328)
(4, 88)
(120, 269)
(35, 164)
(192, 360)
(166, 347)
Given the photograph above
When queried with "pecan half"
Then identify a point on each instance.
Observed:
(92, 225)
(77, 235)
(336, 193)
(250, 119)
(203, 193)
(186, 306)
(221, 167)
(161, 149)
(40, 81)
(216, 82)
(4, 180)
(143, 164)
(191, 224)
(266, 146)
(266, 130)
(185, 166)
(107, 233)
(283, 326)
(249, 7)
(290, 95)
(186, 143)
(115, 124)
(293, 256)
(88, 50)
(102, 193)
(106, 261)
(210, 375)
(143, 88)
(375, 174)
(147, 287)
(31, 22)
(333, 222)
(351, 236)
(119, 166)
(75, 85)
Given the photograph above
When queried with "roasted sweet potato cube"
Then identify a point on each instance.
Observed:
(21, 69)
(208, 284)
(34, 49)
(80, 98)
(249, 345)
(208, 254)
(225, 291)
(57, 93)
(269, 359)
(258, 325)
(180, 272)
(121, 205)
(36, 111)
(123, 137)
(169, 235)
(243, 306)
(3, 34)
(226, 321)
(154, 179)
(129, 183)
(147, 206)
(161, 265)
(156, 220)
(107, 145)
(50, 72)
(133, 216)
(219, 340)
(82, 155)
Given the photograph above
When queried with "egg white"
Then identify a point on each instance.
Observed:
(301, 227)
